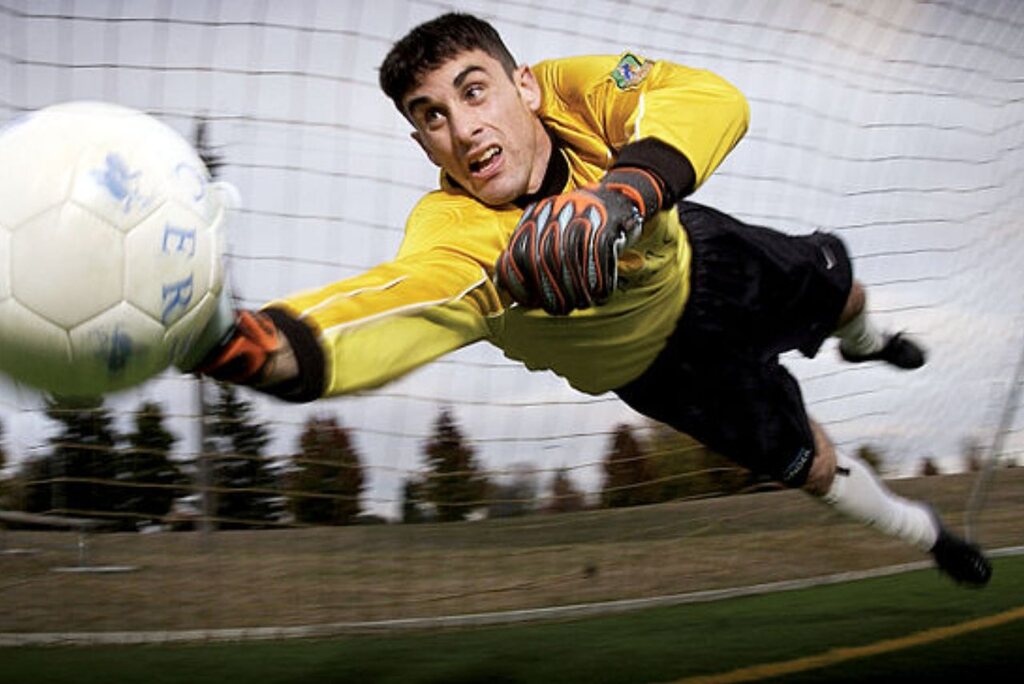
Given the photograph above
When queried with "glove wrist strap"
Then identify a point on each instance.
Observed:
(308, 384)
(639, 186)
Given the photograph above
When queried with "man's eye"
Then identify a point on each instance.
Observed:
(432, 117)
(474, 92)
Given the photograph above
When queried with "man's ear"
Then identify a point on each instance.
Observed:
(419, 140)
(529, 89)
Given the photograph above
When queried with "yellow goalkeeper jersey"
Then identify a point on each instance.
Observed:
(438, 293)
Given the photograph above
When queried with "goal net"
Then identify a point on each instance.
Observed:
(897, 125)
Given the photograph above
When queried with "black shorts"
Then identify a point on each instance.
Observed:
(754, 293)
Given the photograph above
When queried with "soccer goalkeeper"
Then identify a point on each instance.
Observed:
(560, 233)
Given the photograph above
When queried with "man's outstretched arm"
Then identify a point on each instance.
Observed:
(357, 333)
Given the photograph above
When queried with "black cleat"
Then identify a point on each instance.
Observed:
(963, 561)
(898, 351)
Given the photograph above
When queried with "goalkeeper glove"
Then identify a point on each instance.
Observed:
(564, 252)
(269, 350)
(250, 354)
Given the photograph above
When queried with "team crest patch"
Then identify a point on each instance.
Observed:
(631, 71)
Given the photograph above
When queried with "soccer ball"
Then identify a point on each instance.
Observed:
(110, 248)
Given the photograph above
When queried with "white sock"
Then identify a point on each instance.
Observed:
(860, 336)
(857, 493)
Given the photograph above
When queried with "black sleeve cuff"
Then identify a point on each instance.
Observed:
(670, 165)
(309, 384)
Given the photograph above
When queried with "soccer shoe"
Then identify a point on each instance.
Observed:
(963, 561)
(898, 351)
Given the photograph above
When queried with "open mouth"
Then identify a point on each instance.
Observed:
(486, 161)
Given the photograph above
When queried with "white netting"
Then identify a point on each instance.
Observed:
(896, 124)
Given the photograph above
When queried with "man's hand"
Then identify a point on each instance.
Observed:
(270, 350)
(253, 353)
(564, 252)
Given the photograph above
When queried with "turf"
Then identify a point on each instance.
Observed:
(661, 645)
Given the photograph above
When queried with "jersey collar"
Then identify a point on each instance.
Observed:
(555, 177)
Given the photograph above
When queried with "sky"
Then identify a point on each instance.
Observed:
(896, 124)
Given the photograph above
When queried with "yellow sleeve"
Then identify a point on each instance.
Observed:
(433, 298)
(629, 98)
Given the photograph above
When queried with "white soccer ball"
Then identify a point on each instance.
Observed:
(110, 248)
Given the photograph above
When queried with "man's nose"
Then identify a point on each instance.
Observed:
(467, 126)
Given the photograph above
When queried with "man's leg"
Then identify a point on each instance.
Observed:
(718, 378)
(861, 341)
(847, 484)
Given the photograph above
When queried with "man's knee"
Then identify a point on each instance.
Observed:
(855, 303)
(823, 466)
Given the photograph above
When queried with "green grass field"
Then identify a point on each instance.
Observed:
(659, 645)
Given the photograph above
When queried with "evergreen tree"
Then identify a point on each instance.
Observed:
(240, 472)
(973, 454)
(146, 461)
(629, 475)
(929, 467)
(872, 457)
(565, 497)
(327, 464)
(412, 501)
(515, 494)
(685, 468)
(78, 476)
(454, 482)
(5, 482)
(3, 454)
(35, 492)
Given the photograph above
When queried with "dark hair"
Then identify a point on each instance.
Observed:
(433, 43)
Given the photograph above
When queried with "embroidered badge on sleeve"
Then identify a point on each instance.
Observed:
(631, 71)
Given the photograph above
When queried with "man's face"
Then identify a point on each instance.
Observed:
(481, 127)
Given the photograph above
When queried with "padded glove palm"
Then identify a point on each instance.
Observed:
(564, 252)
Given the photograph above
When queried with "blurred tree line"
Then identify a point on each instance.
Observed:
(667, 465)
(663, 467)
(454, 486)
(87, 468)
(90, 470)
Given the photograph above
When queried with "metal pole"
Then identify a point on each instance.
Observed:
(204, 475)
(981, 484)
(213, 162)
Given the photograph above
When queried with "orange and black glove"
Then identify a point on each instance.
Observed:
(246, 352)
(271, 351)
(564, 252)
